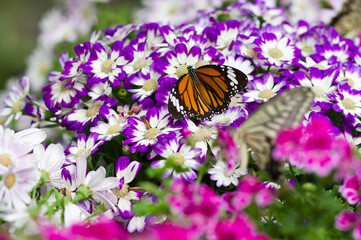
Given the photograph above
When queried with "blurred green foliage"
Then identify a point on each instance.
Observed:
(19, 27)
(19, 30)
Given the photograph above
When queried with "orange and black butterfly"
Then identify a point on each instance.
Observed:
(205, 91)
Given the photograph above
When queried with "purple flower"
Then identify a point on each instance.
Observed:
(146, 131)
(106, 64)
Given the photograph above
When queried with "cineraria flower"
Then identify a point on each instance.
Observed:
(276, 51)
(307, 46)
(204, 137)
(15, 101)
(179, 59)
(16, 183)
(142, 60)
(263, 90)
(223, 176)
(80, 118)
(348, 101)
(352, 75)
(227, 118)
(149, 84)
(146, 131)
(94, 183)
(15, 148)
(113, 128)
(227, 33)
(182, 155)
(322, 85)
(241, 64)
(63, 92)
(334, 52)
(311, 63)
(106, 64)
(85, 146)
(126, 172)
(99, 89)
(50, 162)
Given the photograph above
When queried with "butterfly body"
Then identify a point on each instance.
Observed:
(205, 91)
(259, 131)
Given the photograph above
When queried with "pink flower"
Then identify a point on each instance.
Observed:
(250, 188)
(229, 148)
(350, 190)
(346, 220)
(316, 148)
(239, 228)
(103, 229)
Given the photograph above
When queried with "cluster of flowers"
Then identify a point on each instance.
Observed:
(57, 26)
(113, 95)
(200, 205)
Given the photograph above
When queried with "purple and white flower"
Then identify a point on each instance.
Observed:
(126, 172)
(182, 156)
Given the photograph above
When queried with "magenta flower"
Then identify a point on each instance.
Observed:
(238, 228)
(250, 188)
(316, 148)
(346, 220)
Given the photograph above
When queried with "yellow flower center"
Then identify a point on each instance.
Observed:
(10, 180)
(348, 104)
(84, 150)
(151, 133)
(307, 49)
(179, 159)
(266, 94)
(318, 91)
(181, 70)
(150, 85)
(107, 66)
(275, 53)
(251, 52)
(93, 111)
(5, 159)
(114, 129)
(202, 134)
(139, 64)
(122, 192)
(16, 107)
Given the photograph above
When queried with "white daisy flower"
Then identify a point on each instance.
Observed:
(223, 176)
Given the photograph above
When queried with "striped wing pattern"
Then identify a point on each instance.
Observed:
(205, 91)
(261, 128)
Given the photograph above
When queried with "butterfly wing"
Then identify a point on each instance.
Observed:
(185, 100)
(348, 21)
(261, 128)
(222, 83)
(208, 91)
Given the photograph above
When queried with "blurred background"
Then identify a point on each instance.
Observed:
(19, 27)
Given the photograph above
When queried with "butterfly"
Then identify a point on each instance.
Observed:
(258, 132)
(205, 91)
(348, 21)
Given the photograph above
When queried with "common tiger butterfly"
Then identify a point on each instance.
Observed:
(262, 127)
(205, 91)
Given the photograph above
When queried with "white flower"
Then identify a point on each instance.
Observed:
(96, 182)
(224, 177)
(50, 162)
